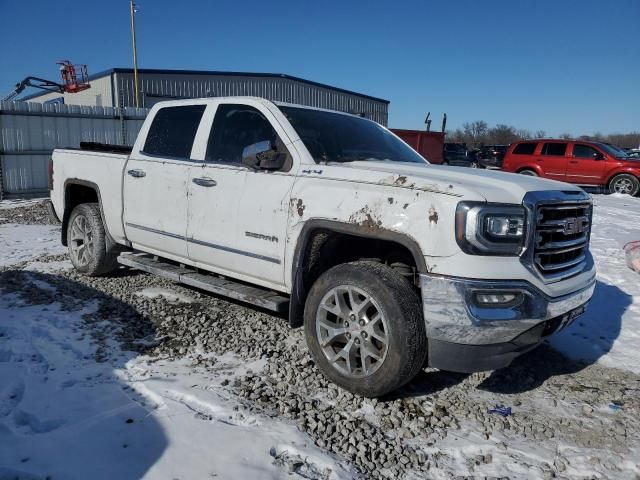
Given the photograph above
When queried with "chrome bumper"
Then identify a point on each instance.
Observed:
(453, 313)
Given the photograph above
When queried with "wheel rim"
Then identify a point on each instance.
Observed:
(81, 241)
(352, 331)
(623, 185)
(528, 173)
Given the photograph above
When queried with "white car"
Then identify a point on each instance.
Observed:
(389, 262)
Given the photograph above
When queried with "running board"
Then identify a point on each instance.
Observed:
(260, 297)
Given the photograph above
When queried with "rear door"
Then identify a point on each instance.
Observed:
(553, 160)
(155, 182)
(586, 165)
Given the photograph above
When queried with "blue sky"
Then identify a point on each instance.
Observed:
(559, 66)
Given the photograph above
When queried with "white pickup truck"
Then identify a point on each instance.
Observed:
(389, 262)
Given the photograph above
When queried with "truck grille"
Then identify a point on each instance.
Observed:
(561, 237)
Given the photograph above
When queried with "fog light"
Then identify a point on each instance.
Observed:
(491, 299)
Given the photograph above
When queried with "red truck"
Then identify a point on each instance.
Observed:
(575, 161)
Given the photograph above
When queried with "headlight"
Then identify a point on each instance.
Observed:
(490, 228)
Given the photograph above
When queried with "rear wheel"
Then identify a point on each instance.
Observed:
(624, 183)
(365, 329)
(87, 241)
(474, 165)
(528, 172)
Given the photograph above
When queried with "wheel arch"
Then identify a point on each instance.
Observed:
(615, 173)
(77, 192)
(310, 243)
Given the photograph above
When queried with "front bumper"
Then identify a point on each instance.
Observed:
(465, 335)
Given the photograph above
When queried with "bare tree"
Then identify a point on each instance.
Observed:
(502, 134)
(475, 132)
(540, 134)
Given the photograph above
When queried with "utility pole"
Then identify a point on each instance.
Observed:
(132, 7)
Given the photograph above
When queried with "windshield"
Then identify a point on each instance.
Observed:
(614, 151)
(334, 137)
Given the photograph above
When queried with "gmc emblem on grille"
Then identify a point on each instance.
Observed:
(575, 225)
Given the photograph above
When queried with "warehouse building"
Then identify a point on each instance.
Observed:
(115, 88)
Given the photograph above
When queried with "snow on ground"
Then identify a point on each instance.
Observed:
(22, 242)
(609, 332)
(67, 416)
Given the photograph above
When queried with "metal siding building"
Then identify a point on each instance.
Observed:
(115, 88)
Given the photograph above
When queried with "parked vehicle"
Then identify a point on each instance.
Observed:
(428, 144)
(574, 161)
(455, 154)
(491, 156)
(390, 263)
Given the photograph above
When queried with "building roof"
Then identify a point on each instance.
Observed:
(155, 71)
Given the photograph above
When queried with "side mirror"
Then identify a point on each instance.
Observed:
(598, 156)
(264, 156)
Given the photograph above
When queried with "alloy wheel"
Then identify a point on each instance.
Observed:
(352, 331)
(81, 241)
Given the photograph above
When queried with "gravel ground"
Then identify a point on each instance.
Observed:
(35, 213)
(562, 424)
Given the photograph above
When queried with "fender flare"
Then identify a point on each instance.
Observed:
(67, 211)
(298, 289)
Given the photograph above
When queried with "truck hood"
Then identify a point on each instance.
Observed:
(490, 185)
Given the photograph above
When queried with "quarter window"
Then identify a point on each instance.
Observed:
(556, 149)
(525, 149)
(173, 130)
(584, 151)
(234, 128)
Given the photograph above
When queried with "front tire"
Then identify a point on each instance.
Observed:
(87, 242)
(624, 183)
(528, 172)
(365, 329)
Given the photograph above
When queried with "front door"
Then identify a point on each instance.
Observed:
(155, 183)
(237, 215)
(586, 165)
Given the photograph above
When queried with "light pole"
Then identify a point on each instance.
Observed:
(132, 7)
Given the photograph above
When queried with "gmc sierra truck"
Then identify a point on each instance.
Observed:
(390, 263)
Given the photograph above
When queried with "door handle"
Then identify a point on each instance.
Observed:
(205, 182)
(136, 173)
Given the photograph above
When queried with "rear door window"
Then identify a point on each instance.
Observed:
(173, 131)
(526, 148)
(584, 151)
(554, 148)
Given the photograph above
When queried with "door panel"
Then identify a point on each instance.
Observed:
(155, 205)
(553, 160)
(213, 213)
(584, 168)
(155, 181)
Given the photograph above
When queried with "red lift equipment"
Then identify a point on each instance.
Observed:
(74, 80)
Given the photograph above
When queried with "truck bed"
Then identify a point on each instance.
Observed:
(101, 169)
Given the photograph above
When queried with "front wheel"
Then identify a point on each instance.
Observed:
(365, 329)
(87, 241)
(624, 183)
(529, 173)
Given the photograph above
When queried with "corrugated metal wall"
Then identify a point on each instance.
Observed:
(164, 86)
(30, 131)
(99, 95)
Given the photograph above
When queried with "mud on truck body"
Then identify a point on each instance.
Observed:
(390, 263)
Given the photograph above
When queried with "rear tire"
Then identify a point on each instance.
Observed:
(87, 242)
(624, 183)
(365, 329)
(528, 172)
